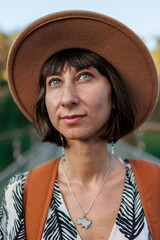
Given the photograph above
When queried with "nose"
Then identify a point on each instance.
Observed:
(70, 97)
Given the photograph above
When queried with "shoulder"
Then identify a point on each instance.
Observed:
(42, 172)
(147, 175)
(146, 167)
(46, 166)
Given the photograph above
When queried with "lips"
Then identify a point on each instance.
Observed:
(73, 119)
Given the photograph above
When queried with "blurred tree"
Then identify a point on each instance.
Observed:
(10, 116)
(149, 140)
(5, 43)
(11, 119)
(4, 48)
(12, 37)
(156, 56)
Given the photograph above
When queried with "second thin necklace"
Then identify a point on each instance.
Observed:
(84, 222)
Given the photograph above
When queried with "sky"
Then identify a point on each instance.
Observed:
(142, 16)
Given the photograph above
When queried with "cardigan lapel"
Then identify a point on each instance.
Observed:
(147, 175)
(37, 197)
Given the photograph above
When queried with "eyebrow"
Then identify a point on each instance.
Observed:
(56, 73)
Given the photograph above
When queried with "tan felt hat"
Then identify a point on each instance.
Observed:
(103, 35)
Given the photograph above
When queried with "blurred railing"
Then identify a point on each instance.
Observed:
(39, 153)
(150, 126)
(42, 152)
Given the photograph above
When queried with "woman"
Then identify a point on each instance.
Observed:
(84, 79)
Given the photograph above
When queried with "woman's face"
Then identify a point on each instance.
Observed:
(78, 102)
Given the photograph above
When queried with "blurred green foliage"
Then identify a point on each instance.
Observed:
(10, 115)
(156, 56)
(11, 118)
(6, 156)
(152, 142)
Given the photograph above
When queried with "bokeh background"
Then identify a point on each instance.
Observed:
(18, 139)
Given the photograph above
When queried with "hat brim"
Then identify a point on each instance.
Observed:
(103, 35)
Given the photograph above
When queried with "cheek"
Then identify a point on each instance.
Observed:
(103, 102)
(51, 107)
(48, 104)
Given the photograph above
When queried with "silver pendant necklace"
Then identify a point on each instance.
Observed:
(84, 222)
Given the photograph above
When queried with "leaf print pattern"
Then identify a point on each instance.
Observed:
(4, 220)
(130, 217)
(59, 225)
(12, 221)
(18, 230)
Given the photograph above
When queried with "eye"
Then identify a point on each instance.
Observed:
(54, 82)
(85, 76)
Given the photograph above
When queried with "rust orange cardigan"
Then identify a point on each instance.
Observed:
(40, 183)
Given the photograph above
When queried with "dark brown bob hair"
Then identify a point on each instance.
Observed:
(122, 118)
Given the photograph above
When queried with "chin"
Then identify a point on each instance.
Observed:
(75, 136)
(81, 137)
(83, 134)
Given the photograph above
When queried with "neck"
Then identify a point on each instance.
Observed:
(86, 162)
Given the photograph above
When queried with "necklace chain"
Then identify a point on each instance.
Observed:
(94, 199)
